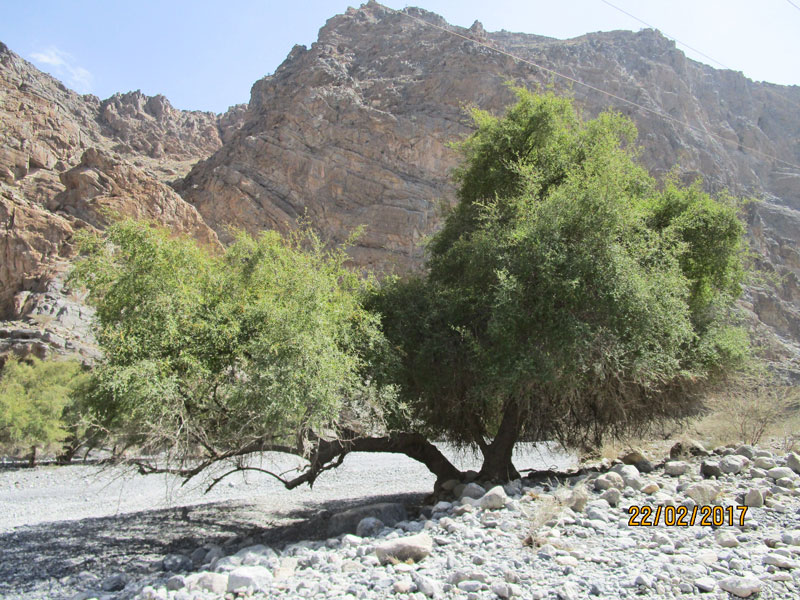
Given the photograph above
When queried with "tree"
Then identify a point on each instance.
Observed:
(36, 398)
(568, 296)
(211, 358)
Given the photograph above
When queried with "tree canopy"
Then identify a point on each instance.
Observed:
(261, 348)
(569, 295)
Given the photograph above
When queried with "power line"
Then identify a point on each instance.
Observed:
(724, 66)
(625, 12)
(593, 88)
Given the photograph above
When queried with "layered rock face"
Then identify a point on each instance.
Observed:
(354, 131)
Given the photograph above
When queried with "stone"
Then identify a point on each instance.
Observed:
(791, 538)
(369, 527)
(710, 468)
(176, 563)
(632, 457)
(630, 476)
(612, 496)
(778, 560)
(577, 498)
(686, 449)
(754, 498)
(414, 548)
(114, 582)
(764, 462)
(472, 490)
(705, 584)
(176, 582)
(650, 488)
(216, 583)
(743, 587)
(427, 586)
(726, 539)
(494, 499)
(609, 480)
(569, 591)
(702, 493)
(676, 468)
(747, 451)
(250, 577)
(347, 521)
(732, 464)
(780, 472)
(793, 462)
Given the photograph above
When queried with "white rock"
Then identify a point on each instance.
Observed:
(702, 493)
(414, 547)
(427, 586)
(791, 538)
(732, 464)
(609, 480)
(754, 498)
(256, 578)
(216, 583)
(569, 591)
(793, 462)
(494, 499)
(764, 462)
(726, 539)
(705, 584)
(779, 560)
(779, 472)
(743, 587)
(676, 468)
(501, 589)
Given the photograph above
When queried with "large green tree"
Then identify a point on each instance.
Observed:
(569, 295)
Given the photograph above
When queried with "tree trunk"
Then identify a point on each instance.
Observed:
(414, 445)
(497, 464)
(32, 459)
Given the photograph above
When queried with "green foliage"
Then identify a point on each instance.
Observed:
(566, 285)
(36, 398)
(264, 344)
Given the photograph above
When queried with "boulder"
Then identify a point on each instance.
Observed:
(411, 548)
(347, 522)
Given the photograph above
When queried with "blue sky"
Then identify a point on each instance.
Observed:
(205, 55)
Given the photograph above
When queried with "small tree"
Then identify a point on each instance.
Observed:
(568, 296)
(35, 401)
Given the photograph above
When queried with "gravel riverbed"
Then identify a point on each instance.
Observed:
(64, 530)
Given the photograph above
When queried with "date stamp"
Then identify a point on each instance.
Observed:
(681, 516)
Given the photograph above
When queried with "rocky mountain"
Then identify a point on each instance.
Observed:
(354, 131)
(67, 162)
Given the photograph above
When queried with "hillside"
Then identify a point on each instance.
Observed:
(354, 131)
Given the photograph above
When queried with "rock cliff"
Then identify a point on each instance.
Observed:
(354, 131)
(69, 162)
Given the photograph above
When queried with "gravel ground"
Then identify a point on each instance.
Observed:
(61, 527)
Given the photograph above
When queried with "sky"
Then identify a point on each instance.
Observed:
(205, 55)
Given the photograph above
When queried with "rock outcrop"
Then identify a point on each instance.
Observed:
(67, 162)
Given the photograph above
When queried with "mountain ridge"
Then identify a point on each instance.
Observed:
(354, 130)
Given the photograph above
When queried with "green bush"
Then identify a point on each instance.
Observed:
(36, 398)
